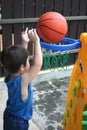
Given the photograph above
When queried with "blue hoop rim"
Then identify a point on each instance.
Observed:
(72, 44)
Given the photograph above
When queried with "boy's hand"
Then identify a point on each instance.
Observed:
(33, 36)
(24, 35)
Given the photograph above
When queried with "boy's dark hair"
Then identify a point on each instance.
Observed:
(13, 57)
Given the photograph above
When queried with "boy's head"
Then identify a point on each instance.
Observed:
(13, 57)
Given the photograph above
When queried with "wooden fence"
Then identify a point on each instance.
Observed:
(18, 14)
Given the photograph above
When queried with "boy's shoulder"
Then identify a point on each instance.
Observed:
(8, 78)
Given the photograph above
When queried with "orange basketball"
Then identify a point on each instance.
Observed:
(52, 27)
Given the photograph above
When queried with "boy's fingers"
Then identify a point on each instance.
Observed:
(34, 30)
(26, 30)
(30, 31)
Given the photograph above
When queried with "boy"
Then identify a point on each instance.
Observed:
(18, 80)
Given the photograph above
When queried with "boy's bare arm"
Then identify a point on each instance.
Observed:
(37, 48)
(37, 60)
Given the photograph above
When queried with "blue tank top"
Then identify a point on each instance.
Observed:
(15, 104)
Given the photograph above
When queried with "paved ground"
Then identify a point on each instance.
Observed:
(48, 100)
(49, 103)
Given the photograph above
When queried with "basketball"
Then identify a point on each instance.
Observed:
(51, 27)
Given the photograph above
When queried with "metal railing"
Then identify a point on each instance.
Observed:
(32, 20)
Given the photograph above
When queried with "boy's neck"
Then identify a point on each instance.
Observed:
(13, 75)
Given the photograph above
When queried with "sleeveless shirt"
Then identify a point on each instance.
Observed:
(15, 104)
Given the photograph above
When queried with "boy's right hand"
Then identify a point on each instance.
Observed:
(33, 36)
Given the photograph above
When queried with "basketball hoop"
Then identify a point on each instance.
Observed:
(56, 56)
(65, 44)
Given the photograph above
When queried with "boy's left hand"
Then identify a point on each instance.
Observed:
(24, 35)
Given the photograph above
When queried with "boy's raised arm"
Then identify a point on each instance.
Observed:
(37, 59)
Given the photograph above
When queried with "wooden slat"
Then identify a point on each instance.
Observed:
(67, 12)
(18, 13)
(67, 7)
(29, 13)
(74, 24)
(82, 25)
(29, 7)
(59, 6)
(40, 8)
(83, 7)
(49, 6)
(6, 29)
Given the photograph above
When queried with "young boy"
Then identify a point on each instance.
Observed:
(18, 80)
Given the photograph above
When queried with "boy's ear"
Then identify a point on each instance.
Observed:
(22, 68)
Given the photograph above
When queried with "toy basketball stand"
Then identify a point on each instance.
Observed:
(66, 44)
